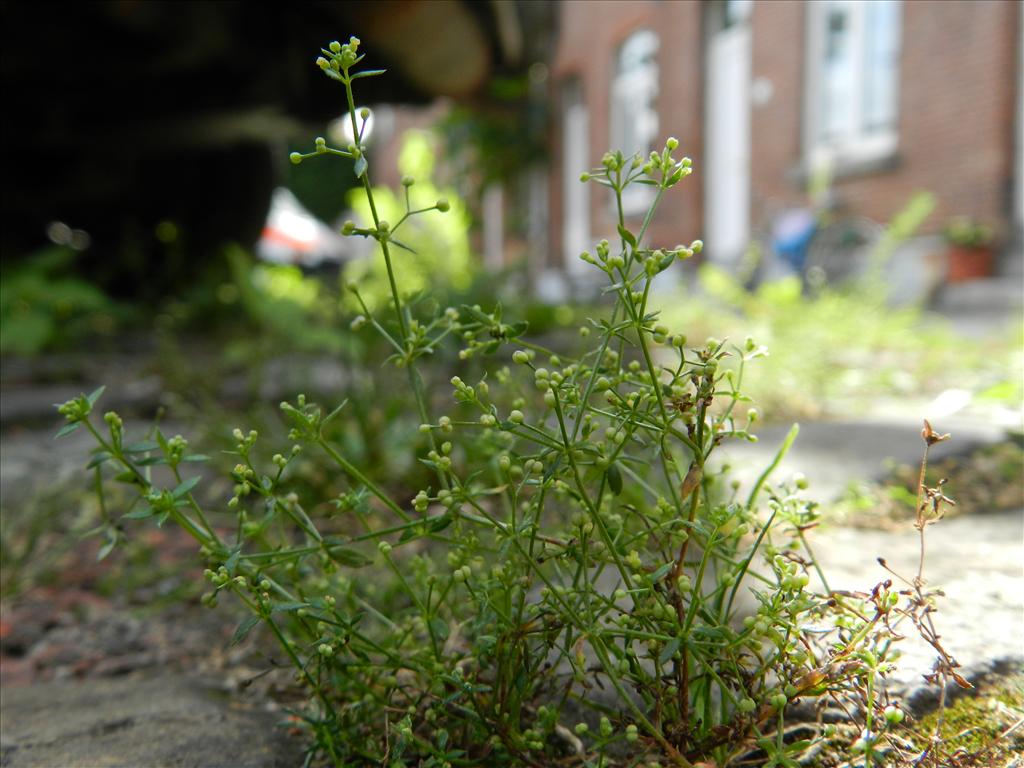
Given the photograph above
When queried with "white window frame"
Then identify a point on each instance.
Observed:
(858, 145)
(627, 89)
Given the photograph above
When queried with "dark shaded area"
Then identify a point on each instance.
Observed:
(122, 115)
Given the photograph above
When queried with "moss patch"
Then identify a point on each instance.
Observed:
(972, 725)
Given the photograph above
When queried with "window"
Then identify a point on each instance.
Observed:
(634, 119)
(853, 74)
(575, 160)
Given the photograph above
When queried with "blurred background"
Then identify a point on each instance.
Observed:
(858, 178)
(858, 171)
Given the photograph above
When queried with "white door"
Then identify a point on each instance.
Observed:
(575, 194)
(727, 135)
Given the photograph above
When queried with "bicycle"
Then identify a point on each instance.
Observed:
(822, 248)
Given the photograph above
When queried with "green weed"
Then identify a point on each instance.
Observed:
(568, 583)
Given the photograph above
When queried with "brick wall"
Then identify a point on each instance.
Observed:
(955, 117)
(588, 38)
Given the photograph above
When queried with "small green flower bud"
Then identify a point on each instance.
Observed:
(631, 733)
(325, 650)
(894, 715)
(322, 62)
(348, 228)
(746, 705)
(443, 205)
(778, 700)
(584, 177)
(321, 144)
(516, 417)
(383, 226)
(520, 356)
(672, 143)
(335, 46)
(357, 322)
(606, 727)
(697, 246)
(581, 729)
(408, 181)
(364, 113)
(384, 548)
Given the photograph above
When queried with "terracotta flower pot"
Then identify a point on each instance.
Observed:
(967, 262)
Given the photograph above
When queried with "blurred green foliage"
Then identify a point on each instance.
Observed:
(43, 306)
(436, 257)
(839, 348)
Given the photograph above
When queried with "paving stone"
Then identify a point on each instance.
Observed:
(977, 561)
(138, 721)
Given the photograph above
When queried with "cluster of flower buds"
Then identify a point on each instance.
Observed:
(339, 58)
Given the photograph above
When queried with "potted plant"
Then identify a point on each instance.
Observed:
(970, 249)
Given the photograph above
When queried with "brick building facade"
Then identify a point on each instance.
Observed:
(891, 97)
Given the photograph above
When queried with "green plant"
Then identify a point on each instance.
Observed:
(42, 307)
(965, 232)
(433, 254)
(569, 585)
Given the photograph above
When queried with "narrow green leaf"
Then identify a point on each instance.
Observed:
(333, 414)
(440, 522)
(142, 447)
(669, 650)
(232, 562)
(139, 514)
(477, 315)
(401, 245)
(614, 479)
(67, 429)
(98, 458)
(349, 557)
(516, 329)
(288, 607)
(798, 746)
(95, 395)
(196, 457)
(661, 573)
(367, 73)
(243, 629)
(626, 235)
(439, 627)
(107, 548)
(185, 486)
